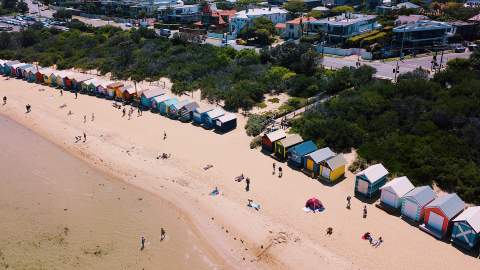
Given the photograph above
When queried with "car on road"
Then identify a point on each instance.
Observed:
(459, 49)
(128, 25)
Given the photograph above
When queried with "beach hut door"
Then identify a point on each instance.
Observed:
(310, 165)
(388, 198)
(410, 210)
(326, 172)
(435, 221)
(362, 186)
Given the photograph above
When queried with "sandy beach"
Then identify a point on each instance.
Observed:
(278, 236)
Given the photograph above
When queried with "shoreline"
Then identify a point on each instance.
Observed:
(279, 236)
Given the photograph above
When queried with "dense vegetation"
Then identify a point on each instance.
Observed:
(13, 6)
(426, 129)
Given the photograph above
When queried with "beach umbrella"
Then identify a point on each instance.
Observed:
(314, 204)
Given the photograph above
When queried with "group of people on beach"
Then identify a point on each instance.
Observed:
(375, 243)
(280, 170)
(143, 240)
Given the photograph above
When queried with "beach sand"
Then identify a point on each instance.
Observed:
(279, 236)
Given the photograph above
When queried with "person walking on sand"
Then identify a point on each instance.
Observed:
(124, 112)
(348, 201)
(84, 119)
(4, 100)
(162, 234)
(139, 112)
(142, 240)
(93, 117)
(274, 168)
(76, 94)
(61, 92)
(28, 107)
(364, 211)
(247, 187)
(84, 137)
(280, 171)
(164, 135)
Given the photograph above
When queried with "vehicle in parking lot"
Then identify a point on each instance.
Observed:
(460, 49)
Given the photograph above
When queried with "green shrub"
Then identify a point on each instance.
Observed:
(256, 142)
(273, 100)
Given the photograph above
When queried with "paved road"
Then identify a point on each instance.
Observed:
(385, 69)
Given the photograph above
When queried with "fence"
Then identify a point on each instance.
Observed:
(346, 52)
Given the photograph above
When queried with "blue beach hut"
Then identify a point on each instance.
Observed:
(211, 116)
(297, 153)
(165, 105)
(226, 122)
(466, 228)
(175, 108)
(147, 97)
(369, 181)
(157, 100)
(185, 113)
(414, 202)
(199, 114)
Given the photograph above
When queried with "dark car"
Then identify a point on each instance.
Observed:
(460, 49)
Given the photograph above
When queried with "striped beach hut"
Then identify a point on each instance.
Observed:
(414, 202)
(466, 228)
(199, 114)
(211, 116)
(226, 122)
(113, 88)
(185, 113)
(297, 153)
(148, 95)
(47, 74)
(333, 168)
(100, 87)
(60, 75)
(128, 92)
(311, 162)
(16, 69)
(369, 181)
(393, 191)
(282, 146)
(29, 74)
(164, 106)
(269, 139)
(89, 86)
(440, 213)
(78, 79)
(175, 108)
(21, 70)
(7, 67)
(157, 100)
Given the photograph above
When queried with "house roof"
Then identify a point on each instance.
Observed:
(422, 195)
(276, 135)
(217, 112)
(227, 117)
(321, 154)
(161, 98)
(374, 173)
(201, 110)
(115, 85)
(408, 5)
(320, 9)
(450, 204)
(297, 21)
(255, 12)
(336, 161)
(150, 93)
(422, 25)
(404, 19)
(304, 148)
(291, 140)
(472, 216)
(346, 19)
(400, 186)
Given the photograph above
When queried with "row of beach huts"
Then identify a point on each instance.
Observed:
(154, 99)
(441, 216)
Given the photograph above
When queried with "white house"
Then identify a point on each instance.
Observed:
(393, 191)
(242, 18)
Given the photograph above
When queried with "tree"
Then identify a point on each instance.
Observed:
(9, 4)
(22, 7)
(260, 31)
(4, 40)
(276, 78)
(342, 9)
(295, 6)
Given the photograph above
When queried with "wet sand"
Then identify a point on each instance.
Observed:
(60, 213)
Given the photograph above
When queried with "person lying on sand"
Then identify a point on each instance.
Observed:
(253, 205)
(377, 243)
(63, 106)
(239, 178)
(208, 167)
(329, 231)
(215, 192)
(4, 100)
(166, 156)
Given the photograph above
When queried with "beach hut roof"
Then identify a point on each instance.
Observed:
(32, 69)
(276, 135)
(217, 112)
(115, 85)
(422, 195)
(161, 98)
(129, 88)
(227, 117)
(321, 154)
(400, 186)
(201, 110)
(17, 65)
(192, 105)
(11, 63)
(46, 71)
(450, 204)
(150, 93)
(304, 148)
(291, 140)
(472, 216)
(171, 101)
(336, 161)
(80, 77)
(180, 104)
(374, 173)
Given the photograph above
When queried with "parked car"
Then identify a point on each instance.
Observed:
(165, 32)
(460, 49)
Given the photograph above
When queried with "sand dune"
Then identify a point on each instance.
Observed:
(279, 236)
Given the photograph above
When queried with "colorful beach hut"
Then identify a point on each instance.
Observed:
(466, 228)
(2, 64)
(7, 67)
(393, 191)
(311, 162)
(440, 213)
(148, 95)
(89, 86)
(297, 153)
(185, 113)
(163, 107)
(199, 114)
(78, 80)
(333, 168)
(21, 70)
(128, 92)
(269, 139)
(29, 74)
(282, 146)
(113, 88)
(369, 181)
(157, 100)
(414, 202)
(60, 75)
(210, 117)
(15, 69)
(226, 122)
(175, 108)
